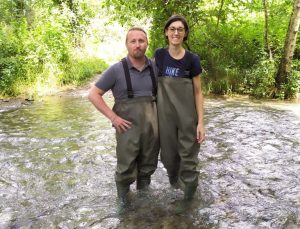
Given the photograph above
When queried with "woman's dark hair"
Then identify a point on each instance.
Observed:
(178, 18)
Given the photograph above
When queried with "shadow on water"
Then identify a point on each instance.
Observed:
(57, 162)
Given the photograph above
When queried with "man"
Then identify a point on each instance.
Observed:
(134, 114)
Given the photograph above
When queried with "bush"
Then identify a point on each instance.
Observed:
(39, 59)
(81, 70)
(12, 61)
(292, 87)
(260, 79)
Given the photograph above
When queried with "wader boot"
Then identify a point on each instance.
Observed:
(184, 205)
(142, 183)
(174, 182)
(123, 202)
(189, 191)
(122, 190)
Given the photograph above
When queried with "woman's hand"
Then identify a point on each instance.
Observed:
(200, 133)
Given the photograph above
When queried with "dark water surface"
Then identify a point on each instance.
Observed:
(57, 161)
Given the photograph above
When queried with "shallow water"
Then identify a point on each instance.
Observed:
(57, 161)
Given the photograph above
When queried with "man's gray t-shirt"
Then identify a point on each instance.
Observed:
(114, 78)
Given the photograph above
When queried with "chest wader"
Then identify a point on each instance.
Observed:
(137, 148)
(177, 128)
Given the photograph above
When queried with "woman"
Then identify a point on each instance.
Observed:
(180, 107)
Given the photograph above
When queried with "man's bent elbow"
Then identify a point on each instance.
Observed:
(93, 93)
(90, 95)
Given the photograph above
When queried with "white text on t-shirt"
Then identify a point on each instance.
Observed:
(170, 71)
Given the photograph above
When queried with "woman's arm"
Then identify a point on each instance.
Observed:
(199, 100)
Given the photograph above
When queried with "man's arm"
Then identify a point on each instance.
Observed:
(96, 98)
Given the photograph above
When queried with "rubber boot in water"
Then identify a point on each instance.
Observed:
(189, 191)
(174, 182)
(184, 205)
(142, 184)
(122, 197)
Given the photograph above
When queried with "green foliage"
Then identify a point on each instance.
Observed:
(221, 87)
(12, 62)
(80, 70)
(37, 49)
(41, 41)
(9, 69)
(292, 87)
(260, 80)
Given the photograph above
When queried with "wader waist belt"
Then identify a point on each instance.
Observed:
(136, 100)
(174, 77)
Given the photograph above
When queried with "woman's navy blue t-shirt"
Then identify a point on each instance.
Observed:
(177, 68)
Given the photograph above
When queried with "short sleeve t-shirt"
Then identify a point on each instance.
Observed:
(177, 68)
(114, 79)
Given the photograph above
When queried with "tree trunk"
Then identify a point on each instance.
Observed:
(220, 13)
(267, 40)
(289, 47)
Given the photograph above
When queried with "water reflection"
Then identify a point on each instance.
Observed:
(57, 161)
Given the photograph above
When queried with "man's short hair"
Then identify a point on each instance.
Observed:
(135, 29)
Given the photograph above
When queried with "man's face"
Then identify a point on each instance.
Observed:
(136, 44)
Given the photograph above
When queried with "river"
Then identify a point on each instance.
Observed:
(57, 161)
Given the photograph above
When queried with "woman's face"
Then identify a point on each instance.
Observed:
(175, 33)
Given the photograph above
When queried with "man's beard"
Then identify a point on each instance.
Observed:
(138, 54)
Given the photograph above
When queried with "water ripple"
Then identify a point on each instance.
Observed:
(57, 163)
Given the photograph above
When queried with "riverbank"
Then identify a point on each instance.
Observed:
(290, 105)
(13, 103)
(69, 90)
(82, 90)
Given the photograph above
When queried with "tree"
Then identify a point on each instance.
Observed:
(267, 40)
(289, 47)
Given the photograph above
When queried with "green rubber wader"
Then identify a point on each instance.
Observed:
(178, 119)
(138, 147)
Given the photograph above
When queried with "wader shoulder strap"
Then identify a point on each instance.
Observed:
(188, 64)
(128, 80)
(154, 87)
(159, 60)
